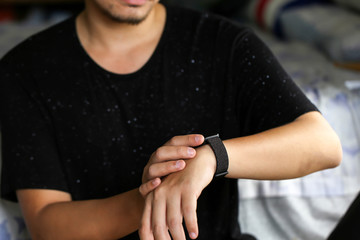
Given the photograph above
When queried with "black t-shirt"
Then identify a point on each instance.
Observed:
(70, 125)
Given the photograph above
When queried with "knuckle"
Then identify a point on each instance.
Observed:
(173, 141)
(158, 193)
(158, 153)
(190, 138)
(142, 190)
(152, 171)
(182, 151)
(174, 223)
(158, 228)
(188, 210)
(170, 166)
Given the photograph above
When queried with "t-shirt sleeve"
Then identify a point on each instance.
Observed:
(266, 95)
(30, 157)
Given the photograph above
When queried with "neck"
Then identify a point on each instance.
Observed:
(120, 47)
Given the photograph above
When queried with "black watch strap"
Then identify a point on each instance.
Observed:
(222, 160)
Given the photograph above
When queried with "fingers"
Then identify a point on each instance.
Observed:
(192, 140)
(166, 153)
(158, 218)
(174, 218)
(166, 160)
(169, 208)
(147, 187)
(189, 211)
(179, 147)
(174, 151)
(165, 211)
(145, 232)
(157, 170)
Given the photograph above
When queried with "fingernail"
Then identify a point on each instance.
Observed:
(197, 139)
(178, 164)
(191, 152)
(193, 235)
(155, 182)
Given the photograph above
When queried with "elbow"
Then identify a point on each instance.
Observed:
(327, 155)
(332, 152)
(336, 153)
(325, 144)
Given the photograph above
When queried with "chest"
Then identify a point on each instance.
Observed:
(107, 127)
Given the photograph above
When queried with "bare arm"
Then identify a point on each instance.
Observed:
(51, 214)
(301, 147)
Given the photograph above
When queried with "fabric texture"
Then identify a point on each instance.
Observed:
(68, 124)
(311, 206)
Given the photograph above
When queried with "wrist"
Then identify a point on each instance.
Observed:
(203, 166)
(209, 156)
(221, 156)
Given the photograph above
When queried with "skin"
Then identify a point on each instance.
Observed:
(124, 12)
(116, 46)
(122, 48)
(301, 147)
(48, 212)
(290, 151)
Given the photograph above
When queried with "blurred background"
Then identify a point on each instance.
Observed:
(318, 44)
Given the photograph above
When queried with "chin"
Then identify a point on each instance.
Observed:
(130, 13)
(125, 11)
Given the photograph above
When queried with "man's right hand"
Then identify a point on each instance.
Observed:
(168, 159)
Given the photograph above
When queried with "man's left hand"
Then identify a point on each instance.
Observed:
(176, 199)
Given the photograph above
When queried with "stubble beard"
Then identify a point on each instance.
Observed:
(131, 20)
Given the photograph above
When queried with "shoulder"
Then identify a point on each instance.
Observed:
(206, 27)
(45, 43)
(213, 21)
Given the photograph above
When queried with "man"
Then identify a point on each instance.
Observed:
(102, 92)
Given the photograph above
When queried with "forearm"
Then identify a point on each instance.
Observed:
(51, 214)
(306, 145)
(109, 218)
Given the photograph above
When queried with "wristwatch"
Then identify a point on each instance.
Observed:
(222, 160)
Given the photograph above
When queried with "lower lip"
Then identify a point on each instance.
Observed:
(135, 2)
